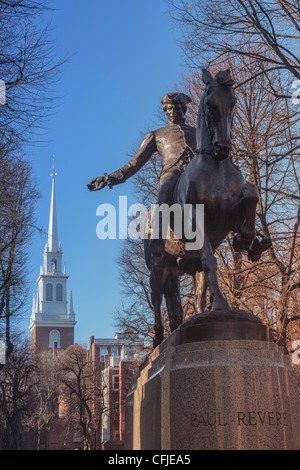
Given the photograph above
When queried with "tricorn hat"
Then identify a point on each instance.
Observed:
(175, 98)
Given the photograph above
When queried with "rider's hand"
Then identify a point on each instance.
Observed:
(97, 183)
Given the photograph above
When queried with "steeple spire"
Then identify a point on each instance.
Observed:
(71, 309)
(52, 231)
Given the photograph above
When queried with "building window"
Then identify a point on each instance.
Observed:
(59, 293)
(54, 337)
(114, 351)
(115, 383)
(53, 265)
(49, 292)
(103, 352)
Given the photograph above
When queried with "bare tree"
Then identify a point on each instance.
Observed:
(29, 66)
(81, 395)
(17, 195)
(15, 396)
(265, 31)
(46, 380)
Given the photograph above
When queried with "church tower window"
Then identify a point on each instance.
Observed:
(59, 293)
(49, 292)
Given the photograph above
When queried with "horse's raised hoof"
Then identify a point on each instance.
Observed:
(242, 242)
(266, 243)
(258, 247)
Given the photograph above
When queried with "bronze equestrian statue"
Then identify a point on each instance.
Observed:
(200, 172)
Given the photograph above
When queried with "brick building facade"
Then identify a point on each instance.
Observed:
(118, 359)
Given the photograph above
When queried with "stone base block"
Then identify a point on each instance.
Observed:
(216, 394)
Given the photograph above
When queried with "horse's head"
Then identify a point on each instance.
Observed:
(218, 105)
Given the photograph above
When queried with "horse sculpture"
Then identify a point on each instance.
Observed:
(211, 179)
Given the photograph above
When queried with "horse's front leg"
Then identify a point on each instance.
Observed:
(209, 266)
(173, 301)
(156, 300)
(243, 220)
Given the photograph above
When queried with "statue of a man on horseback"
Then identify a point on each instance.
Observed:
(198, 169)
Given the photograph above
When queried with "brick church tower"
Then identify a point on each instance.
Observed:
(51, 323)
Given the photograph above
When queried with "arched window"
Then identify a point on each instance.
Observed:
(49, 292)
(59, 293)
(53, 265)
(54, 337)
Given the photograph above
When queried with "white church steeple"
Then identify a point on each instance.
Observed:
(50, 316)
(52, 230)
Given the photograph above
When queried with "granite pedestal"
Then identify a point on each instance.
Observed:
(219, 382)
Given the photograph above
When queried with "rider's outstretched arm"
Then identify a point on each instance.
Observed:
(146, 150)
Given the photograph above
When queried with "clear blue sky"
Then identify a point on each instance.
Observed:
(124, 57)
